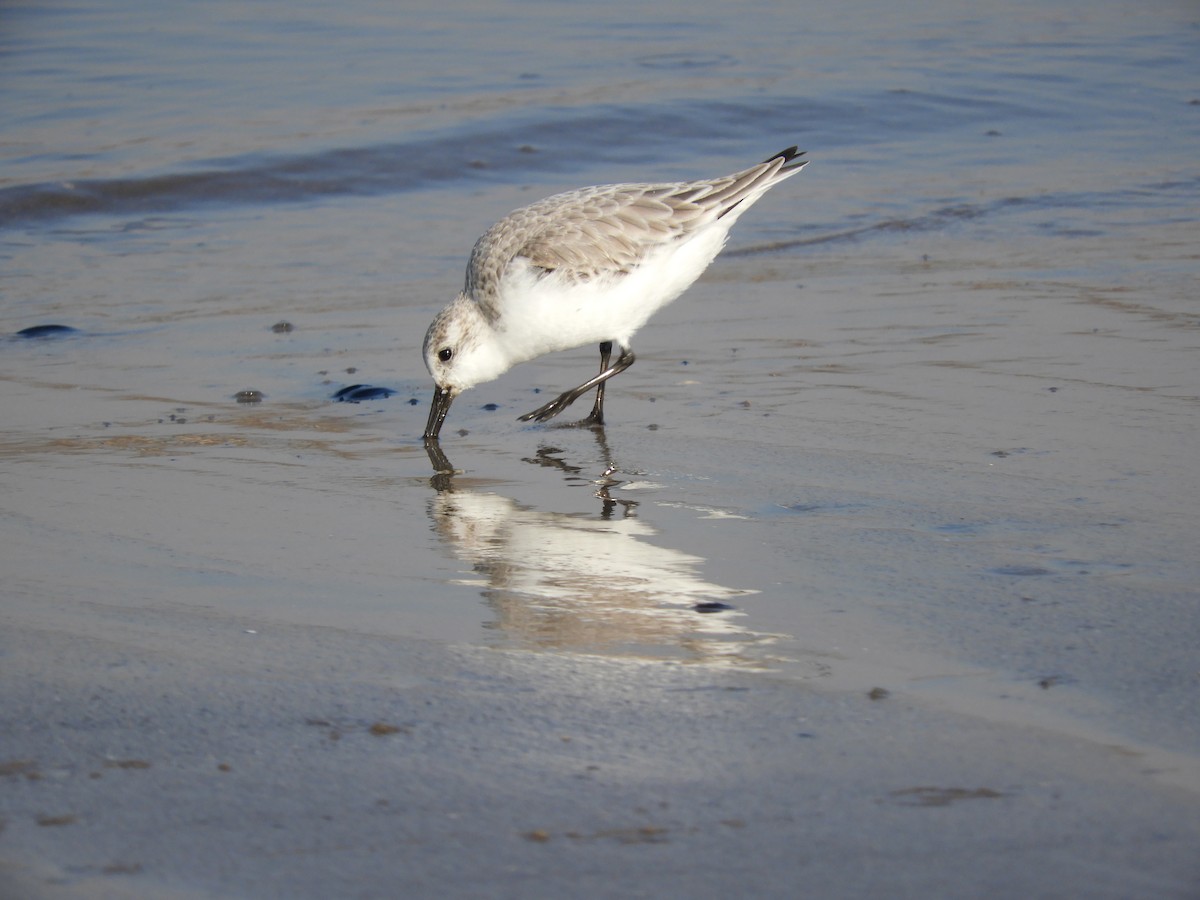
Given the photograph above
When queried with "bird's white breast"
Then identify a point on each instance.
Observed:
(543, 313)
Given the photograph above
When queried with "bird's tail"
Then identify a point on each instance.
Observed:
(740, 190)
(791, 159)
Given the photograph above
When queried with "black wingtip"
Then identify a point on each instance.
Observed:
(789, 157)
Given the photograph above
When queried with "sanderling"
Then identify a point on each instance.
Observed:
(587, 266)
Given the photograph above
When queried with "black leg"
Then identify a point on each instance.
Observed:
(566, 398)
(596, 416)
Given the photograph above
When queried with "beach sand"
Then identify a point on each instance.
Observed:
(262, 650)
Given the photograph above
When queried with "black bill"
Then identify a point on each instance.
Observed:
(442, 398)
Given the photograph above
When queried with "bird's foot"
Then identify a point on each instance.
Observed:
(551, 409)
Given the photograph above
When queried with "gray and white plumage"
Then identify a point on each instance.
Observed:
(585, 266)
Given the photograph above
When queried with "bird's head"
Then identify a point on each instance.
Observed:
(460, 352)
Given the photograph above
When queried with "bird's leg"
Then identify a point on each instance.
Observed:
(596, 416)
(565, 399)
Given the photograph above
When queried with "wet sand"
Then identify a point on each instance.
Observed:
(881, 581)
(175, 753)
(261, 651)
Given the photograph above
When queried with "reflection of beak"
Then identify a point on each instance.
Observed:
(442, 398)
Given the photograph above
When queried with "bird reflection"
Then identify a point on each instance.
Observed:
(590, 582)
(442, 467)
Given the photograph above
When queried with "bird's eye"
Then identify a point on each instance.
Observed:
(445, 353)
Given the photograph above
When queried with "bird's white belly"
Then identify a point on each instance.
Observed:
(542, 315)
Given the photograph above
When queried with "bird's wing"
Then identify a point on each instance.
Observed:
(606, 231)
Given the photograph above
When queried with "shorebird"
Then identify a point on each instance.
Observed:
(587, 266)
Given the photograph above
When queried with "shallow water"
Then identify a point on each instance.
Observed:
(929, 423)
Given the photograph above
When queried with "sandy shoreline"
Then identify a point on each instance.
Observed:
(881, 580)
(178, 754)
(208, 607)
